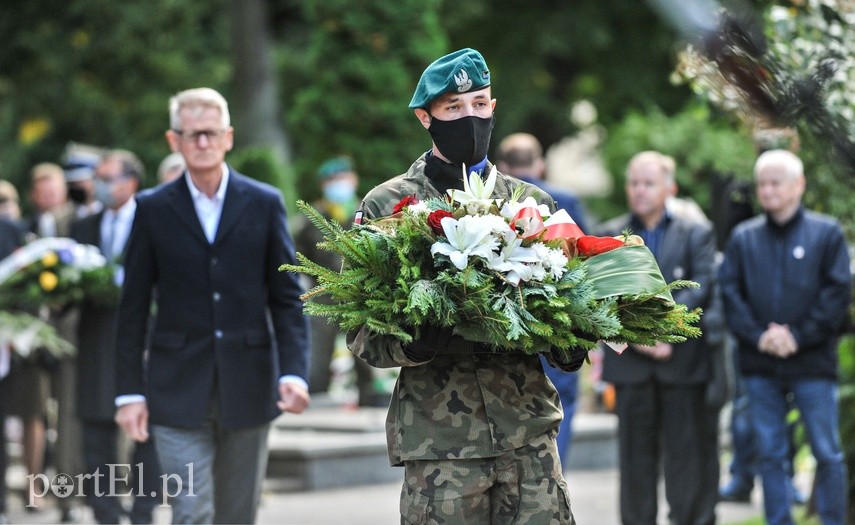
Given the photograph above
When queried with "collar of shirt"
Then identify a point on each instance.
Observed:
(209, 209)
(478, 168)
(125, 212)
(196, 193)
(652, 237)
(116, 226)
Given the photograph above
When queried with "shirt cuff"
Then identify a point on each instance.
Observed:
(127, 399)
(297, 380)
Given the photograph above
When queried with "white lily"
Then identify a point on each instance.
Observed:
(513, 260)
(468, 237)
(477, 192)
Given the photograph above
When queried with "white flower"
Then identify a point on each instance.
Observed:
(468, 237)
(510, 209)
(418, 208)
(477, 193)
(82, 256)
(513, 259)
(553, 260)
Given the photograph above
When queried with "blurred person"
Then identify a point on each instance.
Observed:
(53, 211)
(79, 168)
(118, 178)
(454, 420)
(521, 155)
(171, 167)
(229, 343)
(716, 338)
(786, 284)
(11, 237)
(10, 206)
(739, 206)
(660, 391)
(339, 181)
(56, 212)
(29, 386)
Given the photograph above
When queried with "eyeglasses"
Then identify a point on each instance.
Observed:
(193, 136)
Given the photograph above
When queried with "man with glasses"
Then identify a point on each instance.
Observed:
(229, 342)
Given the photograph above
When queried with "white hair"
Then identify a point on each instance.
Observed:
(198, 98)
(665, 163)
(793, 166)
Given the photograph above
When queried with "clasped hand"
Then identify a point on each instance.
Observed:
(659, 352)
(777, 340)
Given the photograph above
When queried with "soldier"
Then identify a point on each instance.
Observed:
(474, 428)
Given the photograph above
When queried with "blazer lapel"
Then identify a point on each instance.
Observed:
(91, 234)
(672, 245)
(178, 196)
(234, 204)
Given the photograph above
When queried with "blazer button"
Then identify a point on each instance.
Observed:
(218, 334)
(214, 261)
(216, 297)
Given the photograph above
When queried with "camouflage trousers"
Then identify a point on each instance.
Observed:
(521, 487)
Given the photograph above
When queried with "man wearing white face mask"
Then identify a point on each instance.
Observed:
(339, 181)
(117, 179)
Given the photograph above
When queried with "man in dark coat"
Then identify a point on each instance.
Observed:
(229, 343)
(117, 179)
(660, 390)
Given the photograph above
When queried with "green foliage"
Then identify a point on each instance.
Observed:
(699, 142)
(101, 72)
(360, 70)
(52, 282)
(545, 56)
(808, 77)
(391, 284)
(262, 164)
(846, 352)
(30, 335)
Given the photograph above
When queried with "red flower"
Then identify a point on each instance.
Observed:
(589, 245)
(409, 200)
(435, 220)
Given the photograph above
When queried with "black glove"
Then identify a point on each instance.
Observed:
(571, 359)
(424, 348)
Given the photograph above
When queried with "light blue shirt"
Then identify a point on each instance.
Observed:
(115, 228)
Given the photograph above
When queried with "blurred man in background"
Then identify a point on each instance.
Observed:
(786, 284)
(661, 389)
(339, 200)
(171, 167)
(521, 155)
(119, 176)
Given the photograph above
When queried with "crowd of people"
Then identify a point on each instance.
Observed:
(199, 254)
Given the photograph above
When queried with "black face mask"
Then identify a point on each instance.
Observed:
(462, 141)
(77, 195)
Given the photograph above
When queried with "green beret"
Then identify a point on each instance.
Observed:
(460, 72)
(334, 166)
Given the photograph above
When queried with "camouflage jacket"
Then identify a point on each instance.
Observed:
(463, 403)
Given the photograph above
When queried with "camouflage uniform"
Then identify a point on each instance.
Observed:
(481, 410)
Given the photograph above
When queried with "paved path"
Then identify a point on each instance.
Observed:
(593, 494)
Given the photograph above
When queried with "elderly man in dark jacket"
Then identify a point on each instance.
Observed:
(786, 284)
